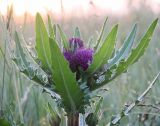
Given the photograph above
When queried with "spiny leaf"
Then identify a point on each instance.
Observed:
(27, 65)
(65, 80)
(139, 50)
(125, 49)
(105, 51)
(133, 57)
(64, 38)
(77, 33)
(101, 34)
(42, 43)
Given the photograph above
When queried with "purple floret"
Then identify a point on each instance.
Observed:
(69, 55)
(83, 57)
(80, 57)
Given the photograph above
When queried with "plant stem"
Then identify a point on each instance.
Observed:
(126, 111)
(73, 119)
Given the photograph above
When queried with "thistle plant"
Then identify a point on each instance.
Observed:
(72, 73)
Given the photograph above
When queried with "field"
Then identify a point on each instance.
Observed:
(24, 102)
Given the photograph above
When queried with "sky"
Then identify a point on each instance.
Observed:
(72, 6)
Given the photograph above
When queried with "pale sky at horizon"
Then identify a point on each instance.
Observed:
(70, 6)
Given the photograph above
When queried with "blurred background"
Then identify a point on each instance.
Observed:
(23, 102)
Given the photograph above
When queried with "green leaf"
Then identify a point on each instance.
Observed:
(4, 122)
(138, 51)
(42, 43)
(125, 49)
(98, 106)
(64, 38)
(101, 34)
(55, 30)
(77, 33)
(65, 80)
(54, 116)
(52, 111)
(26, 64)
(93, 118)
(133, 57)
(51, 28)
(105, 52)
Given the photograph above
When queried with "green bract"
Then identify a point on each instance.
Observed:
(51, 70)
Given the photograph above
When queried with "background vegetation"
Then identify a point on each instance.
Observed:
(21, 101)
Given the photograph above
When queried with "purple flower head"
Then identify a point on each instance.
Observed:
(69, 55)
(83, 58)
(80, 57)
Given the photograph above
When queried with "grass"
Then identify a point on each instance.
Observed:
(23, 102)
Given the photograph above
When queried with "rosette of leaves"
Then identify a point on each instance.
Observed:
(52, 70)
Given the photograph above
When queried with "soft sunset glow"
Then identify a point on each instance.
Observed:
(43, 6)
(70, 6)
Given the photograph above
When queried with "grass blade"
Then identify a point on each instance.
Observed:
(64, 38)
(50, 27)
(101, 34)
